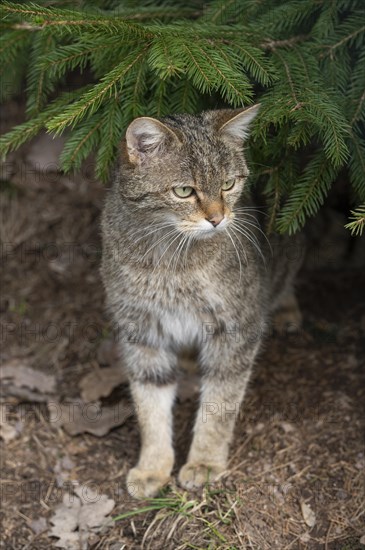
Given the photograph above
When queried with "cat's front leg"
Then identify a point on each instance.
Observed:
(223, 389)
(153, 395)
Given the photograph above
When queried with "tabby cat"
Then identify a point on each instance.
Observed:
(187, 266)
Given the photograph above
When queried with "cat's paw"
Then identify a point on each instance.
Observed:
(193, 475)
(146, 483)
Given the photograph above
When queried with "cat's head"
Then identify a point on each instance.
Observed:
(187, 170)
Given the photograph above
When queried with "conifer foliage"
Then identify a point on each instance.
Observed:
(303, 60)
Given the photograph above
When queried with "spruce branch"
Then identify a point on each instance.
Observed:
(357, 225)
(69, 57)
(71, 20)
(273, 189)
(288, 76)
(92, 99)
(331, 126)
(80, 144)
(164, 60)
(357, 164)
(39, 84)
(348, 38)
(272, 45)
(217, 14)
(307, 195)
(27, 130)
(113, 123)
(304, 60)
(254, 60)
(198, 73)
(232, 82)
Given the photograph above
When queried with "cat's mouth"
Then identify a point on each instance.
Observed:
(204, 229)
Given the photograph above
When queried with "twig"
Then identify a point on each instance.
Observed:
(269, 44)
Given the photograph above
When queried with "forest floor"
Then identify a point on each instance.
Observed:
(297, 463)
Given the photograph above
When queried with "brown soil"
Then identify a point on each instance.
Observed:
(299, 437)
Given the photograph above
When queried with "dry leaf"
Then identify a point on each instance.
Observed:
(25, 382)
(305, 537)
(101, 382)
(65, 523)
(94, 509)
(7, 431)
(287, 427)
(80, 516)
(79, 417)
(38, 525)
(308, 514)
(23, 394)
(62, 470)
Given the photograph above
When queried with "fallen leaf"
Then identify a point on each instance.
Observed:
(7, 430)
(62, 470)
(287, 427)
(86, 494)
(308, 514)
(362, 540)
(65, 523)
(38, 525)
(94, 509)
(80, 516)
(79, 417)
(101, 382)
(70, 541)
(66, 463)
(305, 537)
(25, 382)
(24, 394)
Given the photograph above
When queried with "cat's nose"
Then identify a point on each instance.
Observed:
(215, 219)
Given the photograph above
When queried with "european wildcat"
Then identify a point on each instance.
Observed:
(184, 264)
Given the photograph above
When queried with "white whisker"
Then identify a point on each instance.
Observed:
(154, 230)
(156, 243)
(244, 223)
(246, 214)
(176, 252)
(249, 209)
(190, 241)
(185, 242)
(240, 243)
(238, 256)
(166, 249)
(246, 232)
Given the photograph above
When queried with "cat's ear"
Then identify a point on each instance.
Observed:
(147, 137)
(237, 127)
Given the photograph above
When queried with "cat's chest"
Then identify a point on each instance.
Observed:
(193, 292)
(181, 308)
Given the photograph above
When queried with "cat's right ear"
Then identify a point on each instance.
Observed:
(146, 138)
(236, 129)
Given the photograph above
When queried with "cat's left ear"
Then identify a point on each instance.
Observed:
(237, 127)
(147, 137)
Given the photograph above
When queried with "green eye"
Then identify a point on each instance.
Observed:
(227, 185)
(183, 192)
